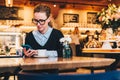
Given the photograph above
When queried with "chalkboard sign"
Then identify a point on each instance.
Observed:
(10, 13)
(91, 17)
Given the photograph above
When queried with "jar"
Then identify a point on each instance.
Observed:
(67, 52)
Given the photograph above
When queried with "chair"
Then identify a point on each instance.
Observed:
(6, 75)
(111, 75)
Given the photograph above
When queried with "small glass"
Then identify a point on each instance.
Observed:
(19, 52)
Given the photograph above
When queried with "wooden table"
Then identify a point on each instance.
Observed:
(7, 64)
(60, 63)
(109, 53)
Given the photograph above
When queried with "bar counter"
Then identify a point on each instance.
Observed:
(101, 50)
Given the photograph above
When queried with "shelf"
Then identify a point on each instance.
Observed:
(72, 28)
(9, 33)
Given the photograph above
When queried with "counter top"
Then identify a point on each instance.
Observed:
(100, 50)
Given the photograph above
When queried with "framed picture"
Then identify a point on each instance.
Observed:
(10, 13)
(70, 18)
(91, 17)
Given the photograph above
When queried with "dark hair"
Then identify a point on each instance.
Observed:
(76, 30)
(43, 8)
(87, 31)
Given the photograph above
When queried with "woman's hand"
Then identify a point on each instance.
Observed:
(29, 52)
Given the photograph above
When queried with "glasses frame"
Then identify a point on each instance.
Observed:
(40, 21)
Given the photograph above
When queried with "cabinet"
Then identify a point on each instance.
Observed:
(11, 39)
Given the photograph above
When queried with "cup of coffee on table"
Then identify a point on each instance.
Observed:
(41, 53)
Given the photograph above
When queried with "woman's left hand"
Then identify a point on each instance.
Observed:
(29, 52)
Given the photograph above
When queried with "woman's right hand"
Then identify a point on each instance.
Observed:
(29, 52)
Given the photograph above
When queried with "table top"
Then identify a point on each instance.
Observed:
(9, 64)
(101, 50)
(52, 63)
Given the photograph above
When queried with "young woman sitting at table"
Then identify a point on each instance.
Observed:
(45, 37)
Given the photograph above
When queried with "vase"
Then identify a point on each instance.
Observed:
(67, 50)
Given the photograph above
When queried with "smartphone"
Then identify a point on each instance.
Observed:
(26, 46)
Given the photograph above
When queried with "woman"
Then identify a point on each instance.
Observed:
(45, 37)
(75, 36)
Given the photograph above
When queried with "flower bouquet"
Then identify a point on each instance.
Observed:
(65, 40)
(109, 17)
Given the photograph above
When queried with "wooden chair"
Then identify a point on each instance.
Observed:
(111, 75)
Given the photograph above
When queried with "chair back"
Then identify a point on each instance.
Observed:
(111, 75)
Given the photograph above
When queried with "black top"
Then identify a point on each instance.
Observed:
(53, 42)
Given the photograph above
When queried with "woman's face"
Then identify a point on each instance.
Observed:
(41, 21)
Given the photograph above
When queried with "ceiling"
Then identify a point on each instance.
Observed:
(79, 2)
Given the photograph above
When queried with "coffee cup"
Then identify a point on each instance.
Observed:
(42, 53)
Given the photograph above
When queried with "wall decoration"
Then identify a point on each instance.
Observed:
(10, 13)
(91, 17)
(70, 18)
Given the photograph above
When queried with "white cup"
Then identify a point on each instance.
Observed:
(42, 53)
(52, 53)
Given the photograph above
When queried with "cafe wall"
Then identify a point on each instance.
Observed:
(82, 18)
(27, 14)
(59, 20)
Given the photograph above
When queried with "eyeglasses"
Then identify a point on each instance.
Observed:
(40, 21)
